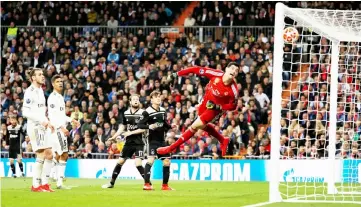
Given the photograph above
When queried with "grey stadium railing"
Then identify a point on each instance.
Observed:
(200, 32)
(116, 156)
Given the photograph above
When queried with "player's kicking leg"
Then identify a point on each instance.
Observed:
(202, 122)
(214, 133)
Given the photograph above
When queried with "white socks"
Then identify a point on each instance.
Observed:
(46, 171)
(54, 167)
(38, 169)
(60, 172)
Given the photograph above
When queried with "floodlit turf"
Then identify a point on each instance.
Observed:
(88, 193)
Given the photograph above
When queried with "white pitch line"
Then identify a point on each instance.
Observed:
(258, 204)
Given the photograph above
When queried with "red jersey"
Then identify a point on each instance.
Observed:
(216, 90)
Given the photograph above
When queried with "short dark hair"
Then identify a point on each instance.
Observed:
(232, 63)
(134, 95)
(53, 79)
(32, 72)
(154, 94)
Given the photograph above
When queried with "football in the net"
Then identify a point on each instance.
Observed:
(290, 35)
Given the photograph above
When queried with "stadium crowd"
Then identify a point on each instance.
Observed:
(305, 117)
(101, 71)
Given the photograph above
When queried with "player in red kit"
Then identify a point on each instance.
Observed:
(220, 96)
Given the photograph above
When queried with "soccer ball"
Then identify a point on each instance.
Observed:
(290, 35)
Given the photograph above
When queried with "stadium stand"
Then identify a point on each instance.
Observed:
(106, 51)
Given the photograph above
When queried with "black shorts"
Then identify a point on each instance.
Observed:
(129, 150)
(14, 152)
(153, 150)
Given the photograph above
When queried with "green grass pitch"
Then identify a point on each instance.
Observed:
(88, 193)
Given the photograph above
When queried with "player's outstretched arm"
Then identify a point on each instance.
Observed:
(119, 132)
(137, 131)
(201, 71)
(121, 128)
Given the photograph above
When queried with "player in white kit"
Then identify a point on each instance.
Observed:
(34, 109)
(57, 116)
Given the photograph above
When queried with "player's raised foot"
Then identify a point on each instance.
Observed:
(108, 185)
(47, 188)
(166, 187)
(38, 189)
(164, 150)
(224, 146)
(148, 186)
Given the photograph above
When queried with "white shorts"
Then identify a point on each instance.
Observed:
(59, 142)
(39, 139)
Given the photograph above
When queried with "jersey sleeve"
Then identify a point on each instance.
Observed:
(143, 121)
(7, 136)
(29, 108)
(123, 120)
(201, 71)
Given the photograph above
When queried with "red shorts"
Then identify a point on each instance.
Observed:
(208, 115)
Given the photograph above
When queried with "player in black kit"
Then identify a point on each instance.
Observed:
(14, 134)
(134, 139)
(154, 120)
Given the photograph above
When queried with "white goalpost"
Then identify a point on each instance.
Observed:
(316, 107)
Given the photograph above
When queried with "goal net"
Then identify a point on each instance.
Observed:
(316, 112)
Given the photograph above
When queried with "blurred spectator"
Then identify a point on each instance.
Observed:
(214, 152)
(112, 151)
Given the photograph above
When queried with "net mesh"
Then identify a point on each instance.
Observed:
(305, 113)
(337, 20)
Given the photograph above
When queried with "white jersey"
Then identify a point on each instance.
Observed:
(56, 110)
(34, 108)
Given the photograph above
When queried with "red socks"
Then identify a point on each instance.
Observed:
(184, 137)
(212, 131)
